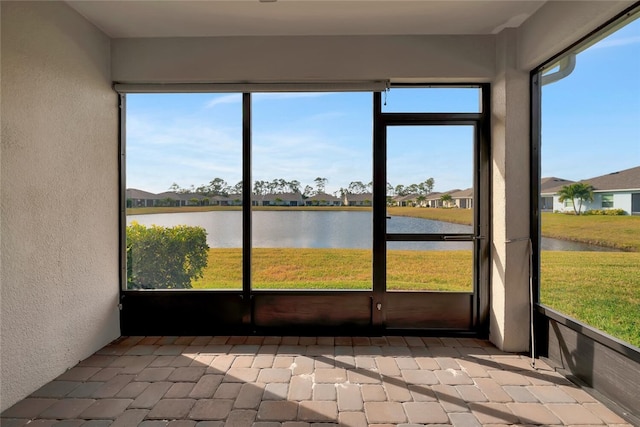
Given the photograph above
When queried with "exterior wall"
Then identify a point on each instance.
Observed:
(621, 200)
(295, 59)
(59, 257)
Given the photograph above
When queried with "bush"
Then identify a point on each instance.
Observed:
(612, 212)
(165, 257)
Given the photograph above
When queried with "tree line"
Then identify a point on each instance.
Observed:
(220, 187)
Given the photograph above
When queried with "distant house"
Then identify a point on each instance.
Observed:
(281, 199)
(230, 200)
(323, 199)
(546, 184)
(171, 198)
(434, 200)
(462, 199)
(616, 190)
(409, 200)
(140, 199)
(361, 199)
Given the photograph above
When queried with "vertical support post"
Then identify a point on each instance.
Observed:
(509, 326)
(379, 213)
(247, 317)
(122, 166)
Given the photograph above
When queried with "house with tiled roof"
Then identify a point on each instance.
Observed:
(278, 199)
(462, 199)
(140, 198)
(546, 184)
(360, 199)
(406, 200)
(616, 190)
(323, 199)
(434, 200)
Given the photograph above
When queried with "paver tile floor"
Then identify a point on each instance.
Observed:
(307, 381)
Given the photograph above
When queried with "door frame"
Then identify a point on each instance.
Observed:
(436, 310)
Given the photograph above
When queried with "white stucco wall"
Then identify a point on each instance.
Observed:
(509, 311)
(59, 204)
(621, 200)
(287, 59)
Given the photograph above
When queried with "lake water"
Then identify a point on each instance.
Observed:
(321, 229)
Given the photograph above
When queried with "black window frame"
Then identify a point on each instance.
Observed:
(206, 312)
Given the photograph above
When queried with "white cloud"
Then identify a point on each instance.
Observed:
(288, 95)
(625, 41)
(236, 98)
(233, 98)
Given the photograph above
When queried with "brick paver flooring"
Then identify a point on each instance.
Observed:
(307, 381)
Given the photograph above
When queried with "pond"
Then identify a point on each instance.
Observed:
(321, 229)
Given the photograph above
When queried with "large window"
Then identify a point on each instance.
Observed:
(264, 191)
(311, 175)
(590, 145)
(184, 191)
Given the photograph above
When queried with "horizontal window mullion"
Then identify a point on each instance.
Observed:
(416, 237)
(434, 119)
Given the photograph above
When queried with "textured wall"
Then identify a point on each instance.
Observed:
(238, 59)
(59, 195)
(509, 313)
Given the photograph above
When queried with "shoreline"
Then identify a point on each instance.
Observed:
(554, 226)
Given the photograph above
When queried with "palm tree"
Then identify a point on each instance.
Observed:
(446, 199)
(577, 191)
(320, 183)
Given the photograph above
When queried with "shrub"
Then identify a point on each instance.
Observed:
(612, 212)
(165, 257)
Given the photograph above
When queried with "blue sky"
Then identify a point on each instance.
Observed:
(591, 126)
(591, 119)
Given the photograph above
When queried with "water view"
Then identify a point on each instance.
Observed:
(323, 229)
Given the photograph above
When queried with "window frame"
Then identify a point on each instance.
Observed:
(543, 314)
(610, 200)
(200, 312)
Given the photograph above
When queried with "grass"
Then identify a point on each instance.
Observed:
(601, 289)
(457, 216)
(293, 268)
(621, 232)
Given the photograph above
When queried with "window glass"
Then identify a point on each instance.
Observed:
(183, 196)
(432, 100)
(590, 255)
(312, 195)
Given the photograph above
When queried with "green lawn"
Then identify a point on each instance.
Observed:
(621, 232)
(601, 289)
(294, 268)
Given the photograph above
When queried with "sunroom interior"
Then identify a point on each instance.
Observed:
(69, 68)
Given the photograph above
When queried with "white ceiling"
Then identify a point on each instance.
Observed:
(166, 18)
